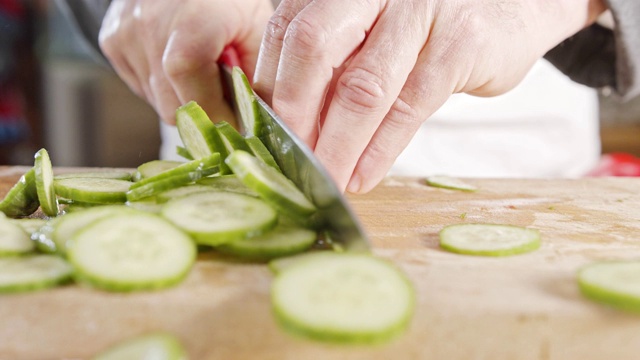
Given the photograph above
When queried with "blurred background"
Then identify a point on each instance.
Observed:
(54, 94)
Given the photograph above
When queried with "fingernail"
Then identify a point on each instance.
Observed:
(355, 184)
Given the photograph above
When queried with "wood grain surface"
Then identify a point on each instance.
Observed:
(520, 307)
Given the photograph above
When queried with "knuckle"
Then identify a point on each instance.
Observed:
(361, 91)
(180, 63)
(305, 36)
(404, 116)
(276, 28)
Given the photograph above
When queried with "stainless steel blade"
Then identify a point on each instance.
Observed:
(298, 163)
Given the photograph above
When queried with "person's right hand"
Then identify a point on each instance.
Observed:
(167, 51)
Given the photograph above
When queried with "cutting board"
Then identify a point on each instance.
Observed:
(520, 307)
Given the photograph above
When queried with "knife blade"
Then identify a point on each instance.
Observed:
(297, 162)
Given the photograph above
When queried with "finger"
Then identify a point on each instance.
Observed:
(368, 88)
(248, 45)
(271, 46)
(111, 43)
(429, 85)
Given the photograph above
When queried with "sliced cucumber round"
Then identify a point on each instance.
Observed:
(131, 251)
(22, 198)
(261, 152)
(229, 183)
(106, 174)
(214, 218)
(155, 167)
(93, 190)
(447, 182)
(231, 138)
(155, 346)
(29, 225)
(165, 196)
(65, 228)
(27, 273)
(489, 239)
(344, 298)
(194, 167)
(165, 184)
(271, 185)
(199, 135)
(44, 183)
(615, 283)
(281, 241)
(246, 102)
(13, 239)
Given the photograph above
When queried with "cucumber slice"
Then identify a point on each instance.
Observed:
(345, 298)
(279, 242)
(183, 152)
(194, 167)
(489, 239)
(157, 187)
(231, 138)
(182, 191)
(246, 103)
(44, 183)
(43, 237)
(149, 204)
(271, 185)
(199, 135)
(447, 182)
(67, 226)
(615, 283)
(155, 346)
(214, 218)
(155, 167)
(131, 251)
(229, 183)
(27, 273)
(22, 198)
(106, 174)
(93, 190)
(29, 225)
(13, 239)
(261, 152)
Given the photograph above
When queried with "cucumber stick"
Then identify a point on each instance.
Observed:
(27, 273)
(131, 251)
(44, 183)
(271, 185)
(344, 298)
(615, 283)
(489, 239)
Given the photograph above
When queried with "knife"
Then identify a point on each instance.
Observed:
(334, 217)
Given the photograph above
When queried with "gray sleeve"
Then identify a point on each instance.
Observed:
(86, 17)
(600, 57)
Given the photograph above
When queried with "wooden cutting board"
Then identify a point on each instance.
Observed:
(521, 307)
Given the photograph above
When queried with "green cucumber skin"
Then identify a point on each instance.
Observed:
(117, 175)
(157, 187)
(184, 153)
(606, 297)
(46, 197)
(22, 198)
(261, 152)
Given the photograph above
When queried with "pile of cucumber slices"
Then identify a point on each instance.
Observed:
(121, 231)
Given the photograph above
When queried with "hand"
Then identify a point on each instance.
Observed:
(166, 51)
(355, 79)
